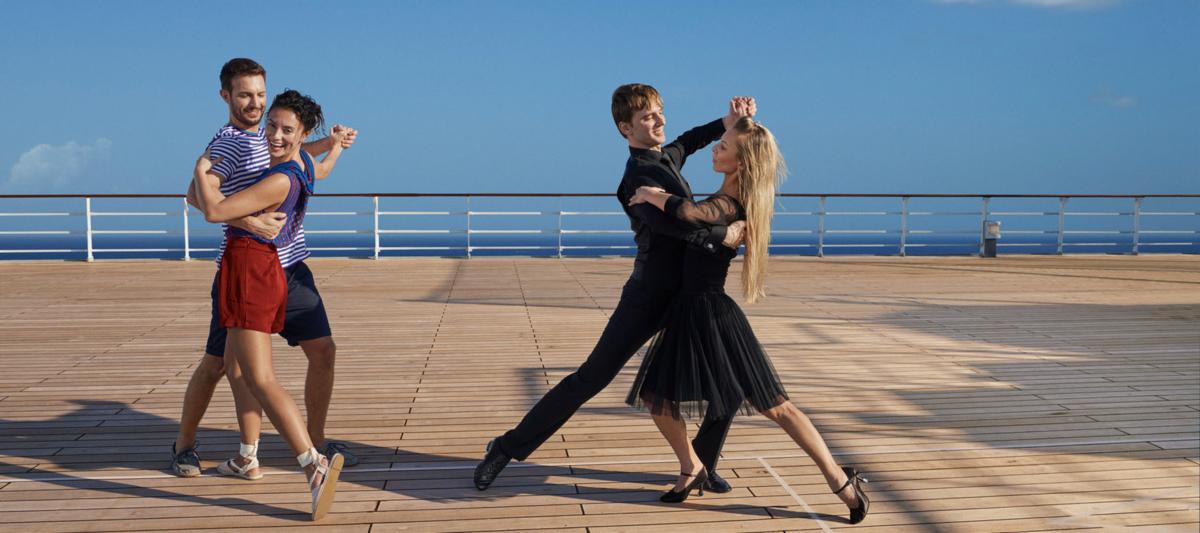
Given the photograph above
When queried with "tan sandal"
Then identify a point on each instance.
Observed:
(323, 493)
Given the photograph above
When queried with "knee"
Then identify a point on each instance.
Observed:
(211, 368)
(782, 412)
(321, 353)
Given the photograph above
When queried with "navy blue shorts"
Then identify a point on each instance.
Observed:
(304, 319)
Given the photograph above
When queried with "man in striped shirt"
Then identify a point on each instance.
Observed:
(242, 148)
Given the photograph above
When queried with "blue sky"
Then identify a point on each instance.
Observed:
(1047, 96)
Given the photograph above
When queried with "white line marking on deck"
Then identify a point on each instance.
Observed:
(795, 496)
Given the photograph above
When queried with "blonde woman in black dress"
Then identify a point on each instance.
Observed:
(706, 355)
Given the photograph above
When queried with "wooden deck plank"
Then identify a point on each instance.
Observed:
(1017, 394)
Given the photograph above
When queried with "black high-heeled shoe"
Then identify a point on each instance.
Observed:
(853, 479)
(671, 496)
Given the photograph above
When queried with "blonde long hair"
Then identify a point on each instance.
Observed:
(761, 169)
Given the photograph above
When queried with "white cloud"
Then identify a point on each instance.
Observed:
(45, 168)
(1115, 101)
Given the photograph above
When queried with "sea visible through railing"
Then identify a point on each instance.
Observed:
(381, 225)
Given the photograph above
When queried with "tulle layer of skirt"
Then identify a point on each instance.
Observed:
(705, 358)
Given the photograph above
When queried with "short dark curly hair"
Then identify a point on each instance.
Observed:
(305, 108)
(239, 66)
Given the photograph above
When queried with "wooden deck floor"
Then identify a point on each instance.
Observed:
(1016, 394)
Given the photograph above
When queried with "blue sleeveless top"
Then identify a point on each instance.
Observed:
(294, 205)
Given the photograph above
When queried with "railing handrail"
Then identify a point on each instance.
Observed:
(984, 216)
(600, 195)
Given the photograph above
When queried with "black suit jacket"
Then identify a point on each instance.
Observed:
(661, 238)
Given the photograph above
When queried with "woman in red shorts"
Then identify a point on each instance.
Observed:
(252, 289)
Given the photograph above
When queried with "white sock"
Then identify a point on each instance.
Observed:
(311, 457)
(249, 451)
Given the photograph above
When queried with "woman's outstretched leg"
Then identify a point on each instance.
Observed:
(801, 429)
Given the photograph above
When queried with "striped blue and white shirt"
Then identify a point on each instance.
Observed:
(245, 158)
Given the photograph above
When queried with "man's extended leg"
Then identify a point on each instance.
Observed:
(708, 443)
(195, 402)
(632, 323)
(318, 385)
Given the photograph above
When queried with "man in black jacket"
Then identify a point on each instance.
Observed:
(661, 241)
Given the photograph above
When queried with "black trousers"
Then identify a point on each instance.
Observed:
(634, 322)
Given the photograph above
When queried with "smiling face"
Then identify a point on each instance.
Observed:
(247, 98)
(724, 159)
(647, 128)
(285, 134)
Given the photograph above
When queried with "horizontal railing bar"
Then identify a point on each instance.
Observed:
(420, 231)
(339, 231)
(38, 232)
(827, 245)
(873, 213)
(592, 213)
(860, 232)
(1030, 232)
(792, 232)
(473, 248)
(1169, 213)
(412, 248)
(68, 250)
(796, 213)
(505, 231)
(422, 212)
(339, 213)
(129, 214)
(793, 246)
(597, 247)
(1027, 244)
(936, 232)
(340, 248)
(946, 213)
(503, 213)
(41, 214)
(596, 231)
(1169, 244)
(128, 232)
(609, 195)
(131, 250)
(1167, 232)
(934, 244)
(1095, 213)
(1021, 213)
(1095, 232)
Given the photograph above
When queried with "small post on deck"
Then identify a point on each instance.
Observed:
(821, 228)
(187, 247)
(983, 214)
(87, 212)
(903, 224)
(560, 216)
(1137, 223)
(375, 212)
(1062, 222)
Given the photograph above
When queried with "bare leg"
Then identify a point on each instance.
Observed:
(318, 385)
(675, 431)
(802, 430)
(249, 412)
(252, 351)
(195, 401)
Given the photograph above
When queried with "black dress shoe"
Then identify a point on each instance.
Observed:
(717, 484)
(493, 463)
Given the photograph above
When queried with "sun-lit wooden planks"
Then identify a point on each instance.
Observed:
(1016, 394)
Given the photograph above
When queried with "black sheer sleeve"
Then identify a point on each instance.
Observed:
(717, 209)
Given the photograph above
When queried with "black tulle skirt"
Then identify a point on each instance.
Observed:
(706, 358)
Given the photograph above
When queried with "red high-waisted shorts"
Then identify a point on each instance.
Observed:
(252, 290)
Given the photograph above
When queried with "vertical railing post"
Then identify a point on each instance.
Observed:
(187, 241)
(1137, 223)
(1062, 222)
(87, 208)
(560, 226)
(821, 228)
(903, 224)
(468, 227)
(375, 213)
(983, 215)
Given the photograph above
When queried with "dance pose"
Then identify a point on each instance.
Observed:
(252, 287)
(243, 149)
(706, 357)
(638, 113)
